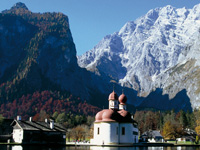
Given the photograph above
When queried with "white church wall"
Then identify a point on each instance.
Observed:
(135, 135)
(126, 136)
(106, 133)
(97, 139)
(110, 130)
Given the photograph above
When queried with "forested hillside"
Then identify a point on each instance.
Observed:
(37, 62)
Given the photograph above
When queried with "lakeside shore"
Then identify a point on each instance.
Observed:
(130, 145)
(114, 145)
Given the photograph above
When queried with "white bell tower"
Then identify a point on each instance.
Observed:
(113, 101)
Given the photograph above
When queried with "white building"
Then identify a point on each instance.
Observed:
(115, 125)
(32, 132)
(152, 136)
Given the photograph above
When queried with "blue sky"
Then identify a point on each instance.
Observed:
(91, 20)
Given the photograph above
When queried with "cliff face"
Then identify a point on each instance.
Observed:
(184, 75)
(144, 52)
(36, 51)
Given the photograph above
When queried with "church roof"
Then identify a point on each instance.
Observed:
(113, 96)
(114, 115)
(109, 115)
(122, 99)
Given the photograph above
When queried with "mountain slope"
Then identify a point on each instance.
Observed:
(184, 75)
(38, 61)
(38, 56)
(32, 49)
(144, 49)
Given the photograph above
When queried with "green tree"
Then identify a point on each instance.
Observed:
(55, 115)
(61, 118)
(90, 120)
(169, 116)
(1, 119)
(191, 120)
(183, 119)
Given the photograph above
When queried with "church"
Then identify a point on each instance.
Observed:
(115, 125)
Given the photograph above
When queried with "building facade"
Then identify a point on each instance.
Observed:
(152, 136)
(115, 125)
(32, 132)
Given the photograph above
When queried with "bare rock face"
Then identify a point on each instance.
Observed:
(154, 59)
(148, 53)
(19, 5)
(37, 53)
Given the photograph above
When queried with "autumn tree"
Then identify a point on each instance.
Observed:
(197, 129)
(81, 132)
(172, 130)
(168, 130)
(68, 134)
(147, 120)
(86, 132)
(78, 133)
(140, 118)
(197, 116)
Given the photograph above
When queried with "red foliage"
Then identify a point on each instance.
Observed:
(31, 105)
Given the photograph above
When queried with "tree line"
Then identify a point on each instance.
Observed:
(171, 124)
(41, 105)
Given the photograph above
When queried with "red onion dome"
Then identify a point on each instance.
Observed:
(111, 115)
(113, 96)
(98, 117)
(122, 99)
(108, 115)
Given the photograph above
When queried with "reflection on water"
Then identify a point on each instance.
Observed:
(17, 147)
(42, 147)
(118, 148)
(146, 148)
(127, 148)
(32, 147)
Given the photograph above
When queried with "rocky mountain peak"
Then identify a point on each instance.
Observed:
(19, 5)
(145, 48)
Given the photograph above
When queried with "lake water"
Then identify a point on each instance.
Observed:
(32, 147)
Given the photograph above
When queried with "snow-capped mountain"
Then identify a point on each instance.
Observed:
(157, 50)
(37, 53)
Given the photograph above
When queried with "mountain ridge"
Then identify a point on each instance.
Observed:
(46, 64)
(38, 56)
(146, 48)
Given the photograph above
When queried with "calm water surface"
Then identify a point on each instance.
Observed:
(18, 147)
